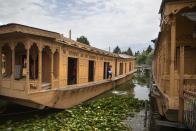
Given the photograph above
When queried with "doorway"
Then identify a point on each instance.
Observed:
(33, 62)
(91, 71)
(46, 68)
(125, 67)
(6, 61)
(20, 62)
(72, 71)
(105, 70)
(130, 67)
(121, 69)
(115, 67)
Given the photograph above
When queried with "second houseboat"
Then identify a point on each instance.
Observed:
(41, 68)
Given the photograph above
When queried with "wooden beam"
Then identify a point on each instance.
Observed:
(170, 124)
(181, 86)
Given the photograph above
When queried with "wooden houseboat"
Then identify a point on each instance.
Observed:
(174, 65)
(41, 68)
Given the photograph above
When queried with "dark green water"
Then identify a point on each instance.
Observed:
(108, 111)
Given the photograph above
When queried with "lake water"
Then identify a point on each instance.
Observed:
(139, 87)
(141, 92)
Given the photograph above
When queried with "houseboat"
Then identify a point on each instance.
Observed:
(174, 64)
(41, 68)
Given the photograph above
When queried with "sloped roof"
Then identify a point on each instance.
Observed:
(13, 27)
(125, 56)
(163, 5)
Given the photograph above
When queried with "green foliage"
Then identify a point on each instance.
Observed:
(142, 79)
(98, 115)
(117, 50)
(145, 57)
(141, 59)
(137, 53)
(149, 49)
(83, 39)
(128, 52)
(149, 58)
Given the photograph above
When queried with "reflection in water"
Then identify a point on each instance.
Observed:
(141, 92)
(120, 92)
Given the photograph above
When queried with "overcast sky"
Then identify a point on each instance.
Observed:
(127, 23)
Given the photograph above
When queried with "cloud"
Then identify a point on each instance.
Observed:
(104, 22)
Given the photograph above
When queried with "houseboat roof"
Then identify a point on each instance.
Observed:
(163, 4)
(18, 28)
(125, 56)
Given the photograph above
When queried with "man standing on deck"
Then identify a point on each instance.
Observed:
(110, 72)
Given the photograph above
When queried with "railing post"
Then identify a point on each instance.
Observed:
(181, 98)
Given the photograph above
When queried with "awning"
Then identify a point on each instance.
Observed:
(190, 15)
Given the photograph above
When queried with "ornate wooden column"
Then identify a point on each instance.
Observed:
(12, 45)
(40, 68)
(132, 65)
(59, 70)
(165, 57)
(51, 72)
(0, 64)
(27, 67)
(172, 59)
(181, 86)
(158, 66)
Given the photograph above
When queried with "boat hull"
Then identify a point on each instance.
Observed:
(63, 98)
(163, 102)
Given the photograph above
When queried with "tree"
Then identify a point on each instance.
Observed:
(150, 58)
(83, 39)
(141, 58)
(129, 52)
(117, 50)
(137, 53)
(149, 49)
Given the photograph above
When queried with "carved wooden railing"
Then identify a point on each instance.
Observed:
(190, 101)
(33, 85)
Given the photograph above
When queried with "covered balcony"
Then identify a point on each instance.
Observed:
(28, 67)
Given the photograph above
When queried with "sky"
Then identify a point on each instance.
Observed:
(106, 23)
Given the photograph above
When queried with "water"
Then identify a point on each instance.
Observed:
(141, 92)
(143, 121)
